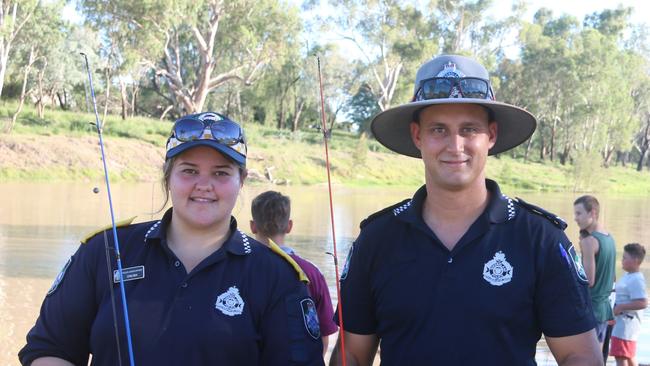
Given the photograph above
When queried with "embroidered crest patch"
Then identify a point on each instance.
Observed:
(346, 267)
(310, 316)
(497, 271)
(230, 303)
(59, 277)
(575, 262)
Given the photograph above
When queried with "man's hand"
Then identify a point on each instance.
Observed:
(360, 350)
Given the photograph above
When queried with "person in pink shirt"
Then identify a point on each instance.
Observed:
(271, 212)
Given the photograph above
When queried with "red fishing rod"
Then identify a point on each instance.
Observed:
(334, 254)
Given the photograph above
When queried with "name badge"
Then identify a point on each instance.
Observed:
(130, 274)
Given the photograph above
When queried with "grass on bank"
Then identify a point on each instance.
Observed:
(299, 158)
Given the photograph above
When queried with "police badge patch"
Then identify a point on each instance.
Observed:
(230, 303)
(310, 317)
(346, 267)
(59, 277)
(575, 262)
(497, 271)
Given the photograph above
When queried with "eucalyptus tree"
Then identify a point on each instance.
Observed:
(13, 17)
(605, 106)
(361, 108)
(546, 81)
(578, 81)
(391, 38)
(464, 28)
(275, 100)
(341, 75)
(65, 69)
(43, 32)
(610, 73)
(196, 47)
(641, 96)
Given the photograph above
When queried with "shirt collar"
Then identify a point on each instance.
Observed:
(237, 243)
(500, 209)
(287, 249)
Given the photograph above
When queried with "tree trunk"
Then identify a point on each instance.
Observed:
(529, 145)
(134, 98)
(124, 98)
(281, 115)
(40, 104)
(552, 142)
(23, 91)
(169, 108)
(608, 156)
(61, 100)
(4, 58)
(107, 76)
(642, 155)
(296, 118)
(644, 142)
(542, 146)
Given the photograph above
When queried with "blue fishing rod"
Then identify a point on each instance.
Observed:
(125, 309)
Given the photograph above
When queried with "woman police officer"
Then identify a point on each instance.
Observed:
(211, 295)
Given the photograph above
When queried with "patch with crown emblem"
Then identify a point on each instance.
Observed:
(230, 303)
(310, 318)
(450, 71)
(574, 261)
(59, 277)
(497, 271)
(346, 267)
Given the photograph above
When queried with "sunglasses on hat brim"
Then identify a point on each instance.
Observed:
(223, 131)
(448, 87)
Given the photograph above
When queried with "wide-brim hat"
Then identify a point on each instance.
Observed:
(236, 152)
(392, 126)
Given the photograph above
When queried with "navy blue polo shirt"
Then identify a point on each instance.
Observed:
(510, 278)
(242, 305)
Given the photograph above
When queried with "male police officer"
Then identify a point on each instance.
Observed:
(461, 274)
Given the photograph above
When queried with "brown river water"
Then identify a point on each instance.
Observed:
(41, 224)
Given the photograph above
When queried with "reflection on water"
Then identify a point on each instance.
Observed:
(41, 224)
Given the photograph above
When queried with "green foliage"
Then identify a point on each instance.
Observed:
(583, 79)
(361, 152)
(362, 107)
(299, 158)
(80, 124)
(578, 81)
(587, 172)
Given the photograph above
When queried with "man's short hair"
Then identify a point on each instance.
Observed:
(636, 250)
(271, 212)
(590, 203)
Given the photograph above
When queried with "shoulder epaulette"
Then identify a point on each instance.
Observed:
(556, 220)
(117, 224)
(277, 250)
(396, 208)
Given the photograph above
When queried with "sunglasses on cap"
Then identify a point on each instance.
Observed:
(223, 131)
(453, 87)
(210, 129)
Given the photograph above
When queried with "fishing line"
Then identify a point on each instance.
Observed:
(98, 125)
(326, 133)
